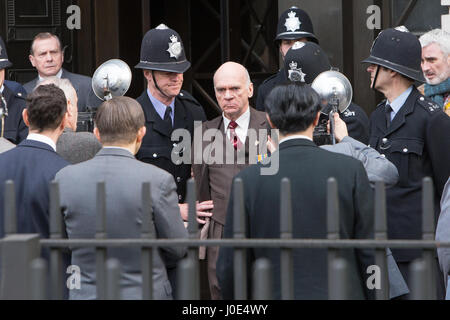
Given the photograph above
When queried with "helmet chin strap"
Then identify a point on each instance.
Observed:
(375, 78)
(157, 87)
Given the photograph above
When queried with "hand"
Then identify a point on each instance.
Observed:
(203, 209)
(340, 128)
(271, 145)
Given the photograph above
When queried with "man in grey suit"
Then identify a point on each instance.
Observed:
(47, 56)
(120, 127)
(75, 147)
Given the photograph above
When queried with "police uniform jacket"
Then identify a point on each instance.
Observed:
(418, 143)
(354, 117)
(15, 129)
(157, 146)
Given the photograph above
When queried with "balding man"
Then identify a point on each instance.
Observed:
(233, 89)
(73, 146)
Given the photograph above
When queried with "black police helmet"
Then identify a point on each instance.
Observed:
(294, 23)
(304, 61)
(162, 50)
(4, 62)
(398, 50)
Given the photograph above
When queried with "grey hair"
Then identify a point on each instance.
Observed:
(64, 84)
(439, 37)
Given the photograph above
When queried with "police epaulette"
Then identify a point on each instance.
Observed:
(270, 78)
(427, 104)
(184, 95)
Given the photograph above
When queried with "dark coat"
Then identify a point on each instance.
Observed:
(82, 85)
(15, 129)
(157, 146)
(31, 165)
(308, 168)
(417, 143)
(354, 117)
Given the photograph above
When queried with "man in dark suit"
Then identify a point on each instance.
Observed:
(34, 162)
(412, 132)
(213, 179)
(295, 111)
(12, 103)
(120, 128)
(47, 56)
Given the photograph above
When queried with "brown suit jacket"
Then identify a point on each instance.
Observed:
(213, 181)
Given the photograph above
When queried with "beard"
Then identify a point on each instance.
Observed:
(438, 78)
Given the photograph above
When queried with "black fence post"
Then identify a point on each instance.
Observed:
(419, 278)
(18, 251)
(381, 234)
(240, 265)
(262, 279)
(287, 268)
(338, 289)
(186, 280)
(101, 234)
(148, 232)
(56, 264)
(332, 232)
(113, 279)
(10, 219)
(428, 230)
(38, 273)
(193, 234)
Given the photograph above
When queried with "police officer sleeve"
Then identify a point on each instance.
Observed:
(438, 145)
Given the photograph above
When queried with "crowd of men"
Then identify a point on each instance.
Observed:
(406, 139)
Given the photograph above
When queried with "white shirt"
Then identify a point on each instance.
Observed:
(41, 138)
(1, 89)
(241, 130)
(58, 75)
(298, 136)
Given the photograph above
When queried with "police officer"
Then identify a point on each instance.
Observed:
(303, 62)
(294, 25)
(12, 103)
(412, 132)
(166, 108)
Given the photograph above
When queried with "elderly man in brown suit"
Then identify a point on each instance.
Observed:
(233, 89)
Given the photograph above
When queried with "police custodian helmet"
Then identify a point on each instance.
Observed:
(304, 61)
(4, 62)
(294, 23)
(398, 50)
(162, 50)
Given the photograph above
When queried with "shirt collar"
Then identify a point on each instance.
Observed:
(296, 136)
(2, 88)
(120, 148)
(400, 100)
(58, 75)
(41, 138)
(243, 121)
(161, 107)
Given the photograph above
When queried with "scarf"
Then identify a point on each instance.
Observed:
(438, 92)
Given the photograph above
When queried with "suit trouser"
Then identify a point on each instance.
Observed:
(212, 253)
(405, 270)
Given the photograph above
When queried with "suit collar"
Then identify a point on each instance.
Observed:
(35, 144)
(115, 152)
(400, 117)
(158, 124)
(297, 143)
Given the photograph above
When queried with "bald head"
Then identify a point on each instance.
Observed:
(233, 89)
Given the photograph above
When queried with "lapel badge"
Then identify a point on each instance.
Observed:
(292, 23)
(295, 74)
(174, 47)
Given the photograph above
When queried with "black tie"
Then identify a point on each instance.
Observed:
(167, 118)
(388, 110)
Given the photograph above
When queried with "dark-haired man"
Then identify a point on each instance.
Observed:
(120, 127)
(294, 110)
(34, 162)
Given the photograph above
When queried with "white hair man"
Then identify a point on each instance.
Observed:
(436, 66)
(73, 146)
